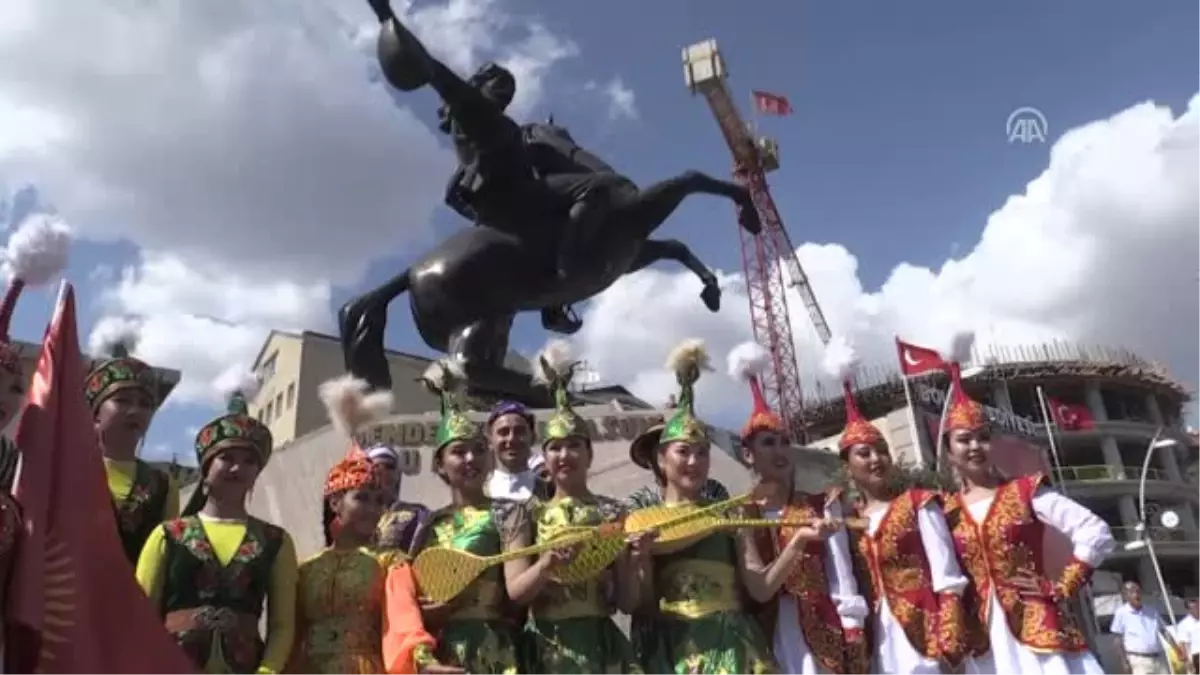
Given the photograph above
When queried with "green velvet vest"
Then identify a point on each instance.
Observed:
(142, 510)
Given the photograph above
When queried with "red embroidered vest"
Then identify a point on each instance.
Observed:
(899, 571)
(1007, 543)
(808, 583)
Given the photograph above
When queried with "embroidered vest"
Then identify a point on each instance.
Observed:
(142, 510)
(1008, 543)
(895, 563)
(808, 583)
(203, 601)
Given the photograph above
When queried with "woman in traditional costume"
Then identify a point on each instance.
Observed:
(355, 613)
(906, 554)
(37, 253)
(210, 571)
(477, 630)
(570, 628)
(1024, 621)
(817, 614)
(123, 394)
(700, 625)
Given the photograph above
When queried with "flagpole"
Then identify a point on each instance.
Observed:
(1058, 468)
(937, 459)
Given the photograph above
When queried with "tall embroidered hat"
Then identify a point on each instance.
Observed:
(36, 254)
(352, 407)
(748, 361)
(554, 367)
(687, 361)
(119, 372)
(841, 361)
(446, 379)
(236, 428)
(963, 413)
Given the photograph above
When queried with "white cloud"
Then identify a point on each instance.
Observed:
(1100, 248)
(243, 137)
(619, 98)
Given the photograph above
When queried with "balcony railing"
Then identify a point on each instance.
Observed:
(1126, 534)
(1098, 472)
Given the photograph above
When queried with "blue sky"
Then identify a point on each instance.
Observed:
(897, 147)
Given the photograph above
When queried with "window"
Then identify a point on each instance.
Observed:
(267, 416)
(278, 404)
(291, 395)
(1126, 405)
(267, 370)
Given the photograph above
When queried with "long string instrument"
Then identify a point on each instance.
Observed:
(442, 573)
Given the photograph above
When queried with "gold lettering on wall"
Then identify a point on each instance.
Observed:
(421, 432)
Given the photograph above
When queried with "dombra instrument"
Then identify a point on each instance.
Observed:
(443, 573)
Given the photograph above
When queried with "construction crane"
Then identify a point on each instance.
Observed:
(763, 256)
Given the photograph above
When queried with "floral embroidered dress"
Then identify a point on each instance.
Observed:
(915, 585)
(210, 578)
(480, 633)
(1001, 537)
(702, 625)
(339, 613)
(570, 629)
(143, 497)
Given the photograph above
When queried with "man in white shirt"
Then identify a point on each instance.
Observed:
(517, 473)
(1187, 634)
(1138, 625)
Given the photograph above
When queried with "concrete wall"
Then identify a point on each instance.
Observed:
(289, 491)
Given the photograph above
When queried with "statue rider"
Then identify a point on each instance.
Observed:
(563, 173)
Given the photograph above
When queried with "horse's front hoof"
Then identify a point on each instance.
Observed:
(711, 295)
(402, 58)
(748, 218)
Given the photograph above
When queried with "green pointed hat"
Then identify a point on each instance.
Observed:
(447, 381)
(235, 428)
(554, 368)
(687, 361)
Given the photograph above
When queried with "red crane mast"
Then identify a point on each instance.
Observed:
(765, 256)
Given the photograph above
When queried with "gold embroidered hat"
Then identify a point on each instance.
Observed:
(963, 413)
(841, 361)
(553, 367)
(687, 361)
(236, 428)
(446, 379)
(37, 253)
(748, 361)
(120, 372)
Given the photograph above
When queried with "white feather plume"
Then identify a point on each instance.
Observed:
(445, 375)
(37, 251)
(113, 334)
(840, 360)
(688, 354)
(957, 347)
(747, 360)
(238, 381)
(557, 357)
(350, 404)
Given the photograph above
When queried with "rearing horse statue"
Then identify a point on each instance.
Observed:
(465, 292)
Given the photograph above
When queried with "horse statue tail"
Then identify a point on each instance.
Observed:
(362, 322)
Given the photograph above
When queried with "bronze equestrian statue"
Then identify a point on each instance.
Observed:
(525, 187)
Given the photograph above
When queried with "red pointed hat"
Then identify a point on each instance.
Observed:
(352, 408)
(841, 362)
(963, 414)
(37, 252)
(747, 362)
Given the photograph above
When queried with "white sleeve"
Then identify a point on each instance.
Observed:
(1091, 540)
(843, 588)
(939, 551)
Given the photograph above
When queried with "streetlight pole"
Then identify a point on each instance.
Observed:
(1156, 442)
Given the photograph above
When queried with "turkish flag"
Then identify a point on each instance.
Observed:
(74, 604)
(916, 360)
(1070, 416)
(772, 104)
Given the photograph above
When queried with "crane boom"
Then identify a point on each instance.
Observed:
(767, 255)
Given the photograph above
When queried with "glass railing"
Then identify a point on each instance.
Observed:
(1097, 472)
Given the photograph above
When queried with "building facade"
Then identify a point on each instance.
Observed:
(1112, 407)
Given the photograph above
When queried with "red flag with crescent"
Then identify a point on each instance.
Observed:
(74, 605)
(1070, 416)
(916, 360)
